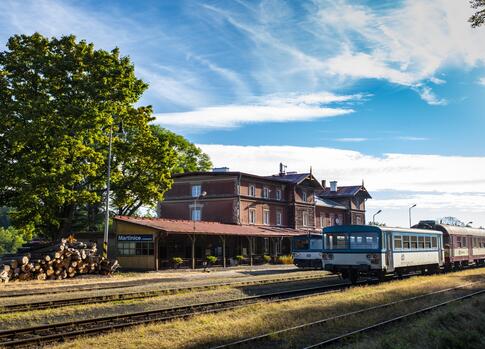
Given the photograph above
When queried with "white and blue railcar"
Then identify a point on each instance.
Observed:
(307, 251)
(354, 250)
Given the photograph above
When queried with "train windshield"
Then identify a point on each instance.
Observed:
(305, 243)
(354, 241)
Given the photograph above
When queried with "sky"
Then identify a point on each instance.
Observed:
(386, 92)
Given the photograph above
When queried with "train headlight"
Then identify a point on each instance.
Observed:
(327, 256)
(374, 258)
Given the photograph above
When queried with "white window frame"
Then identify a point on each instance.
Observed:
(322, 221)
(196, 190)
(305, 218)
(266, 192)
(196, 216)
(252, 190)
(279, 218)
(252, 216)
(304, 196)
(266, 216)
(278, 194)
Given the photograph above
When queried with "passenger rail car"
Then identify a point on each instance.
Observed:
(307, 251)
(463, 245)
(354, 250)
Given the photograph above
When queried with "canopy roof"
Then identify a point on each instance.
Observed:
(178, 226)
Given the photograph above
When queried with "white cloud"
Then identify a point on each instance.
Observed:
(404, 172)
(481, 81)
(273, 108)
(427, 95)
(412, 138)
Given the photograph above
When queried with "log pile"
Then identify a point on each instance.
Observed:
(40, 260)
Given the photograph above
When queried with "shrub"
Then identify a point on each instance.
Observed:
(211, 259)
(177, 261)
(239, 258)
(266, 258)
(285, 259)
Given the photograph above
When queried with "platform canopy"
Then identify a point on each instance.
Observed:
(179, 226)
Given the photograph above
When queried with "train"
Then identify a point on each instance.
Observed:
(307, 251)
(361, 250)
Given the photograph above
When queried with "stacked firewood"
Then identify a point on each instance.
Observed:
(40, 260)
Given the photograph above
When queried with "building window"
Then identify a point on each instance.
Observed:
(305, 219)
(304, 196)
(339, 220)
(196, 214)
(278, 194)
(322, 223)
(252, 216)
(266, 217)
(196, 191)
(358, 220)
(252, 190)
(135, 248)
(279, 218)
(266, 192)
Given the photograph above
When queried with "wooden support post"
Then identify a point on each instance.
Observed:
(250, 239)
(156, 247)
(275, 251)
(192, 239)
(223, 240)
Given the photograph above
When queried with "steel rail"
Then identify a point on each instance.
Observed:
(393, 320)
(52, 332)
(248, 341)
(12, 308)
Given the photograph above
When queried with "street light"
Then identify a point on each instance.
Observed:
(201, 195)
(108, 180)
(410, 214)
(374, 217)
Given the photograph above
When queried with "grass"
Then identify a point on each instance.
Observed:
(213, 329)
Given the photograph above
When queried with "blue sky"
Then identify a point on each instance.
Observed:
(389, 92)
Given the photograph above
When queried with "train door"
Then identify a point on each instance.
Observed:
(440, 249)
(389, 259)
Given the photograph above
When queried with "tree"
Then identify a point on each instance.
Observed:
(189, 158)
(58, 100)
(479, 17)
(11, 239)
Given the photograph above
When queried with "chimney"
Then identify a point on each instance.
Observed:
(333, 186)
(220, 169)
(324, 183)
(282, 169)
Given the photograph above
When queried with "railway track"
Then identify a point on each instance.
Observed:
(43, 334)
(13, 308)
(268, 339)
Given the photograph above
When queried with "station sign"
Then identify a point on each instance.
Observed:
(143, 237)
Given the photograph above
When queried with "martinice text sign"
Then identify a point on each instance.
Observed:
(135, 237)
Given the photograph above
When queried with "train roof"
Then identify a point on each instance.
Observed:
(456, 230)
(374, 228)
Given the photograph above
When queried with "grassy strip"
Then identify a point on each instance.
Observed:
(459, 326)
(213, 329)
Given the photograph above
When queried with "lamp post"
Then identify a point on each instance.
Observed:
(410, 214)
(374, 217)
(106, 217)
(108, 180)
(201, 195)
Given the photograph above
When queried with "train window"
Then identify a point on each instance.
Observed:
(398, 241)
(301, 244)
(414, 242)
(315, 244)
(464, 239)
(427, 242)
(421, 242)
(434, 242)
(458, 242)
(336, 241)
(364, 241)
(406, 242)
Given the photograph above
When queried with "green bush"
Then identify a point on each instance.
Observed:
(177, 261)
(239, 258)
(266, 258)
(211, 259)
(285, 259)
(11, 239)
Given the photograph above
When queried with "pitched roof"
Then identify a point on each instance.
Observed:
(328, 203)
(294, 178)
(179, 226)
(344, 191)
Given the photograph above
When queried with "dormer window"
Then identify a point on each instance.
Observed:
(278, 194)
(304, 196)
(266, 192)
(252, 190)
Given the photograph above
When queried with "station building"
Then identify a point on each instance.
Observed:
(227, 214)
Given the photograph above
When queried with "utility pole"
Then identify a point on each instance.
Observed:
(410, 225)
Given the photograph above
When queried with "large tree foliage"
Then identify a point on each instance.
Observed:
(479, 17)
(189, 157)
(58, 100)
